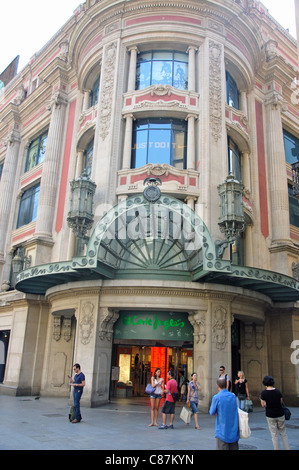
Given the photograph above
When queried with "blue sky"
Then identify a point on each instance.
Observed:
(36, 24)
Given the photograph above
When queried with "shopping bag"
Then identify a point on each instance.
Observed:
(248, 406)
(185, 415)
(244, 429)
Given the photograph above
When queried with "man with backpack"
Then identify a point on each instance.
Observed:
(225, 377)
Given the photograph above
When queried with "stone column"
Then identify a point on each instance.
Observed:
(199, 319)
(51, 166)
(191, 68)
(127, 149)
(7, 186)
(191, 142)
(132, 69)
(279, 207)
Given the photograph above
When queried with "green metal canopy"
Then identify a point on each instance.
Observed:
(162, 240)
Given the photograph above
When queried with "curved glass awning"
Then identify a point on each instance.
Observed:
(162, 240)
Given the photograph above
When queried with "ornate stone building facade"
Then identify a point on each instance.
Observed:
(158, 104)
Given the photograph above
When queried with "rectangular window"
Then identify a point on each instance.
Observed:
(28, 206)
(159, 141)
(36, 151)
(162, 68)
(1, 168)
(293, 208)
(291, 146)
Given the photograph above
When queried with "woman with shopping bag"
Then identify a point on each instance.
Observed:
(193, 397)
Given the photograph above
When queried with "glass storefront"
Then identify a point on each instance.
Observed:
(144, 341)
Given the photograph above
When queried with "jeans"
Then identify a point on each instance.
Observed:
(77, 394)
(241, 403)
(276, 427)
(221, 445)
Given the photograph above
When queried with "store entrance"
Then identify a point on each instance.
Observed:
(134, 365)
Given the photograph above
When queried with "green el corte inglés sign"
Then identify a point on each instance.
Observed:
(173, 326)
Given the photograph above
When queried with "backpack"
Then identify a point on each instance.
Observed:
(229, 383)
(72, 413)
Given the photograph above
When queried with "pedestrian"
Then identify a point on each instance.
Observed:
(182, 386)
(155, 398)
(193, 396)
(241, 390)
(224, 376)
(271, 399)
(224, 406)
(78, 382)
(169, 404)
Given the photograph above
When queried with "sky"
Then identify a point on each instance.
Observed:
(27, 25)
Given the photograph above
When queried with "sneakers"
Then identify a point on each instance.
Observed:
(164, 426)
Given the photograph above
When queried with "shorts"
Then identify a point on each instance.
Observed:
(168, 408)
(155, 395)
(193, 405)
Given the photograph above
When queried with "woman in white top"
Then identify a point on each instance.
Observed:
(157, 384)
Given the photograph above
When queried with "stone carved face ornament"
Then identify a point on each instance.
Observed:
(86, 323)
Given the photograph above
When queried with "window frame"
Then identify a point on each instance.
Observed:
(41, 150)
(231, 85)
(175, 126)
(174, 63)
(26, 215)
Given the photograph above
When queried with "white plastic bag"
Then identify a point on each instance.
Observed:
(244, 429)
(185, 415)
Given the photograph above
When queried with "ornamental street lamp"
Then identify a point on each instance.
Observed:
(232, 219)
(80, 216)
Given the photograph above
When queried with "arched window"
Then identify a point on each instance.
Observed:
(159, 141)
(234, 159)
(94, 94)
(162, 68)
(232, 93)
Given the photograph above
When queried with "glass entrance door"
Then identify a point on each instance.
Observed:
(137, 364)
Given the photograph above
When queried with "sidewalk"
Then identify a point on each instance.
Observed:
(42, 424)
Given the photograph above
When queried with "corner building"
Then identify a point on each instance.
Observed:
(156, 103)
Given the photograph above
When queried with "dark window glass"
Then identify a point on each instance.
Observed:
(88, 157)
(291, 146)
(1, 169)
(234, 160)
(162, 68)
(159, 141)
(28, 206)
(237, 251)
(94, 94)
(36, 151)
(293, 208)
(232, 94)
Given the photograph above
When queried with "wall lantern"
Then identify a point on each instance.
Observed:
(19, 262)
(80, 216)
(232, 219)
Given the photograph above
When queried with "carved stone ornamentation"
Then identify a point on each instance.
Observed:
(86, 323)
(220, 327)
(108, 85)
(215, 52)
(107, 319)
(198, 321)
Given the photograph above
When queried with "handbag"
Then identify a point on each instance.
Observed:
(244, 429)
(287, 413)
(149, 389)
(185, 415)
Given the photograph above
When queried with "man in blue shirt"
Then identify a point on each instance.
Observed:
(78, 383)
(224, 406)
